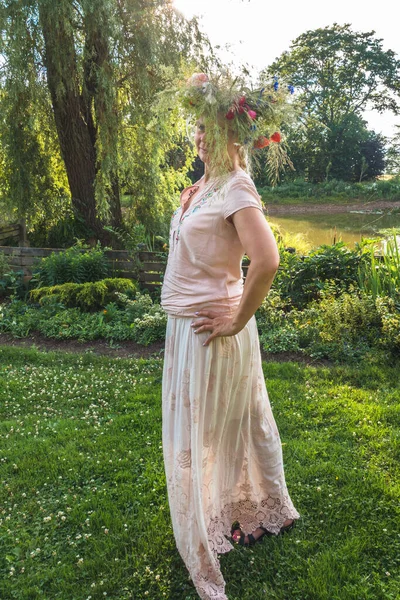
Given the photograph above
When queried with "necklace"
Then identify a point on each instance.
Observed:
(205, 194)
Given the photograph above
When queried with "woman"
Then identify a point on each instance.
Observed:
(222, 450)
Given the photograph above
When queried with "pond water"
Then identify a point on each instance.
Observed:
(324, 228)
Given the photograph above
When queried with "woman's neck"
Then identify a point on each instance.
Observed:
(235, 167)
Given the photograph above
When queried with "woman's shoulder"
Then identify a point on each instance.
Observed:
(241, 180)
(241, 193)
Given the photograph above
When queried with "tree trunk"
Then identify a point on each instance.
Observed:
(76, 133)
(97, 58)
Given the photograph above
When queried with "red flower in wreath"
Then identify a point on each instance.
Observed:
(276, 137)
(261, 142)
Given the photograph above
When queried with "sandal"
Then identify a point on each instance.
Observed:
(251, 539)
(241, 540)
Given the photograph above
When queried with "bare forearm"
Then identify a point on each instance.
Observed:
(257, 285)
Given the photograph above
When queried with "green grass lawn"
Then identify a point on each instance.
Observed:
(84, 513)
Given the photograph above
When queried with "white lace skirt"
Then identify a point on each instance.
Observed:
(222, 451)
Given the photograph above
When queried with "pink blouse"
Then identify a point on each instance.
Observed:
(205, 253)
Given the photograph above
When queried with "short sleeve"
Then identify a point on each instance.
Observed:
(242, 193)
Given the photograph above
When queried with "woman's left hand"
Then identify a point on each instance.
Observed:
(219, 325)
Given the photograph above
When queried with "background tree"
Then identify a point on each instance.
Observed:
(372, 157)
(393, 154)
(78, 82)
(337, 74)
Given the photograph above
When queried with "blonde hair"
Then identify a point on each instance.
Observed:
(244, 159)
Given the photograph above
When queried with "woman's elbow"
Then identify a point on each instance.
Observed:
(271, 261)
(274, 262)
(267, 267)
(272, 267)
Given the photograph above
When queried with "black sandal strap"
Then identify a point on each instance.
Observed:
(241, 539)
(288, 527)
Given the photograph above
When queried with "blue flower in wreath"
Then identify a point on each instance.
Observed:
(260, 96)
(291, 89)
(276, 83)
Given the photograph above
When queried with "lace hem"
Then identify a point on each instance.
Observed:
(270, 513)
(207, 590)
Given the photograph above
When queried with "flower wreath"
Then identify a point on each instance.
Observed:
(253, 116)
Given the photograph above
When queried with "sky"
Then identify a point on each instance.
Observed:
(258, 31)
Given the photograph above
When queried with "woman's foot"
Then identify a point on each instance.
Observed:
(252, 538)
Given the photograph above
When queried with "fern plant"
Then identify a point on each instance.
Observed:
(74, 265)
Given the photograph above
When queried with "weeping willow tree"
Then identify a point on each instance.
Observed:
(77, 82)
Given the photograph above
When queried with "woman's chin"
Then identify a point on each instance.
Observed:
(203, 156)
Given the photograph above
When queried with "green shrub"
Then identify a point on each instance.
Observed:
(18, 319)
(342, 328)
(390, 316)
(147, 319)
(301, 279)
(334, 189)
(281, 339)
(86, 296)
(272, 311)
(150, 328)
(275, 326)
(351, 315)
(140, 320)
(61, 232)
(72, 266)
(11, 282)
(73, 324)
(136, 307)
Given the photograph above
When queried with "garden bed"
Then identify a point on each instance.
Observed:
(129, 349)
(333, 304)
(126, 349)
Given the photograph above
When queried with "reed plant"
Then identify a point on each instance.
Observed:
(379, 275)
